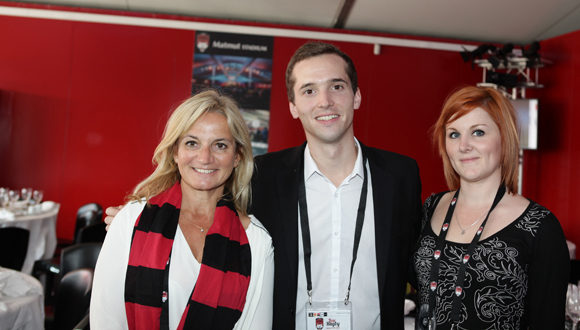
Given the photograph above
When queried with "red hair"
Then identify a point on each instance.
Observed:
(466, 99)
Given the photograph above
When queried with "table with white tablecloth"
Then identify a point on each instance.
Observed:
(409, 320)
(42, 241)
(409, 323)
(21, 301)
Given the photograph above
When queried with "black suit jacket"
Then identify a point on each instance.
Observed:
(397, 208)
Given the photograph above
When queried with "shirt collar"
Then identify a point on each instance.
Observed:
(310, 166)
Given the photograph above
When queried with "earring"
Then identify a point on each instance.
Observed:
(176, 160)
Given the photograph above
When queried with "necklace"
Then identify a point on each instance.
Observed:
(189, 218)
(463, 230)
(202, 230)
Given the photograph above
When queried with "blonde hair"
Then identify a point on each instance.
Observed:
(461, 102)
(166, 173)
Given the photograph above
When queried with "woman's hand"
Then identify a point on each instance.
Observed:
(111, 212)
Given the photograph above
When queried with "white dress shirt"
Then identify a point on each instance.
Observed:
(332, 217)
(108, 302)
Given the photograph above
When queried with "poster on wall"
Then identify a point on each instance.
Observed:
(240, 66)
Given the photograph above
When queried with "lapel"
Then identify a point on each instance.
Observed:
(287, 194)
(383, 197)
(383, 201)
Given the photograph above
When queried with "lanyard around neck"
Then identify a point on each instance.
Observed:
(456, 305)
(304, 224)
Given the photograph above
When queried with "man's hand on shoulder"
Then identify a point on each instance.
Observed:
(111, 213)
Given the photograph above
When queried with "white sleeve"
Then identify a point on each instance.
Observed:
(263, 314)
(107, 309)
(257, 313)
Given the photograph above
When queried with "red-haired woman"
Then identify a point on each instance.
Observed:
(487, 258)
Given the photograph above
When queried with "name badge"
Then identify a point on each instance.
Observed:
(328, 315)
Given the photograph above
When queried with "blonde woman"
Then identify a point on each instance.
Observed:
(184, 253)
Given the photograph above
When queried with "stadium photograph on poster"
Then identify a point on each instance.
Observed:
(240, 66)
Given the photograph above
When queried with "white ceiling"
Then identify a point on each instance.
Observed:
(499, 21)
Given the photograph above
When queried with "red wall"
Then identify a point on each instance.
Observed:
(83, 105)
(552, 173)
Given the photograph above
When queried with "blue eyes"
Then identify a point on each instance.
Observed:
(477, 133)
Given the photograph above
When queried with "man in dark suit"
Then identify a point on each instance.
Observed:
(328, 173)
(322, 90)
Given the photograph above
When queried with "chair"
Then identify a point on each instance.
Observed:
(72, 300)
(574, 271)
(84, 324)
(79, 256)
(15, 240)
(73, 257)
(87, 215)
(92, 233)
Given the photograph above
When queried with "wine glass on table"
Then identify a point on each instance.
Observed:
(573, 305)
(4, 198)
(37, 195)
(26, 195)
(14, 196)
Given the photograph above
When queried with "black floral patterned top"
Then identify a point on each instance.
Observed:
(515, 279)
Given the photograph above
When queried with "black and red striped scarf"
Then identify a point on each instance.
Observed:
(219, 294)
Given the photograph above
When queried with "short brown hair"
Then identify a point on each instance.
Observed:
(466, 99)
(313, 49)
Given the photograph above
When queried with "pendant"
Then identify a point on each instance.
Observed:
(462, 232)
(202, 230)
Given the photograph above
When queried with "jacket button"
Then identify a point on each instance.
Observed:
(291, 310)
